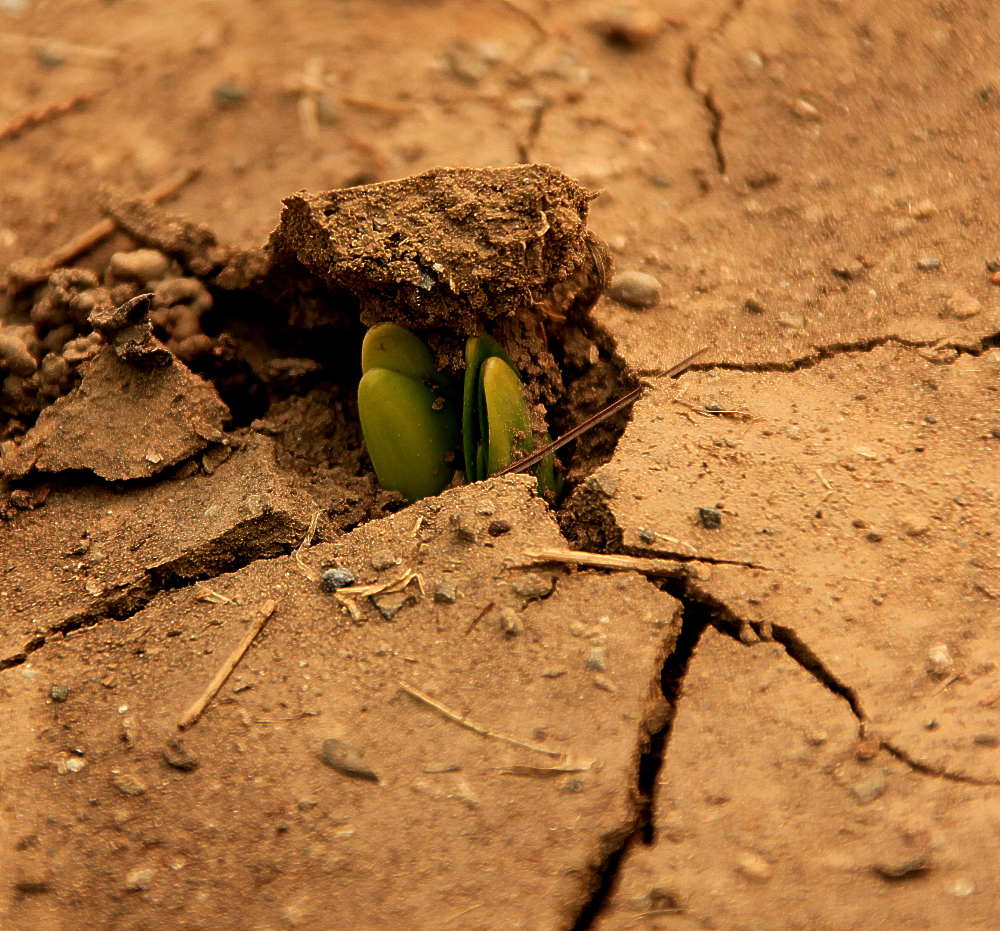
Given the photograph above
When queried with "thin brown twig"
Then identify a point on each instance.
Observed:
(96, 234)
(472, 726)
(594, 419)
(38, 115)
(478, 618)
(229, 664)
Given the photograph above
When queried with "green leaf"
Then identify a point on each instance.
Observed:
(477, 350)
(388, 346)
(410, 433)
(508, 434)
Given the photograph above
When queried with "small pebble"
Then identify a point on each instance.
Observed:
(75, 764)
(962, 887)
(228, 94)
(603, 484)
(604, 683)
(335, 578)
(915, 525)
(446, 593)
(346, 759)
(143, 265)
(873, 536)
(178, 756)
(635, 289)
(710, 518)
(486, 508)
(497, 528)
(804, 110)
(647, 536)
(128, 784)
(986, 740)
(754, 867)
(633, 26)
(383, 559)
(753, 306)
(928, 263)
(848, 269)
(534, 585)
(597, 660)
(59, 693)
(465, 530)
(939, 661)
(924, 209)
(900, 869)
(391, 603)
(139, 879)
(962, 305)
(511, 624)
(868, 789)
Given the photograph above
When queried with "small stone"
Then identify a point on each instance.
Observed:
(75, 764)
(605, 485)
(817, 738)
(604, 684)
(754, 867)
(791, 321)
(391, 603)
(868, 789)
(752, 306)
(306, 804)
(915, 525)
(554, 673)
(939, 661)
(928, 263)
(848, 269)
(178, 756)
(804, 110)
(873, 536)
(867, 748)
(32, 873)
(228, 94)
(900, 869)
(346, 759)
(710, 518)
(383, 559)
(511, 624)
(128, 784)
(446, 592)
(597, 659)
(497, 528)
(142, 265)
(986, 740)
(962, 887)
(59, 693)
(139, 879)
(633, 26)
(534, 585)
(962, 305)
(337, 577)
(486, 508)
(647, 536)
(635, 289)
(924, 209)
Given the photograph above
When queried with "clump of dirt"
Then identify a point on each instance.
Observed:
(126, 373)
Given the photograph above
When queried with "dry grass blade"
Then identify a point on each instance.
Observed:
(462, 720)
(647, 565)
(347, 595)
(307, 540)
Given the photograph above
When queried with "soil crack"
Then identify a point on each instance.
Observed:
(823, 353)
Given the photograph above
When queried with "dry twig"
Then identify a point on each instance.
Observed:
(647, 565)
(307, 541)
(35, 271)
(37, 115)
(229, 664)
(347, 595)
(472, 726)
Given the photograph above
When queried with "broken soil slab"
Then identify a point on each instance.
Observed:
(121, 422)
(463, 825)
(452, 247)
(866, 490)
(94, 551)
(794, 832)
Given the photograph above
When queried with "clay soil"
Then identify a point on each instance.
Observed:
(777, 707)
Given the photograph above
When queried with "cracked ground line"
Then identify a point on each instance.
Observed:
(823, 353)
(130, 599)
(706, 96)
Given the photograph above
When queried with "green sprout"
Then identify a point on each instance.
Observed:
(410, 423)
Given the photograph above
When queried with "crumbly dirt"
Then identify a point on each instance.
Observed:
(800, 729)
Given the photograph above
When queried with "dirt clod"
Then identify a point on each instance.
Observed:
(346, 759)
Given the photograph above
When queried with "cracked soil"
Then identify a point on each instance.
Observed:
(793, 724)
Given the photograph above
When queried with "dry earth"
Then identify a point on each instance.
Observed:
(789, 719)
